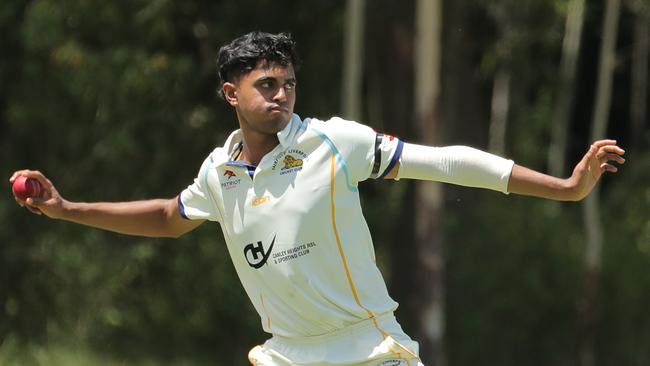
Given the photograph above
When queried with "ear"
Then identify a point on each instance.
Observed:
(230, 93)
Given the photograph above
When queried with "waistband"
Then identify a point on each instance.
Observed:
(377, 338)
(376, 323)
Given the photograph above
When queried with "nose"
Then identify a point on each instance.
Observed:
(280, 95)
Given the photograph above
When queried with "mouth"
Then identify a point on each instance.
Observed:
(278, 108)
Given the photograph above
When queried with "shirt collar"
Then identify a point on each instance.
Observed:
(288, 133)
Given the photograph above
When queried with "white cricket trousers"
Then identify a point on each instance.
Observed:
(372, 342)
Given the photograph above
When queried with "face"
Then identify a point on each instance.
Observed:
(264, 98)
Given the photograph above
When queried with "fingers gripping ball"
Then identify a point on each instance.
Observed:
(25, 188)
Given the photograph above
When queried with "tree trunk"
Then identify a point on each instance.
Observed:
(639, 85)
(566, 88)
(591, 208)
(390, 109)
(428, 195)
(353, 59)
(499, 114)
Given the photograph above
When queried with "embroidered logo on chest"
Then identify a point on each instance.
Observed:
(261, 200)
(231, 181)
(289, 161)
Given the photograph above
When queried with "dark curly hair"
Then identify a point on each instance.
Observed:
(244, 53)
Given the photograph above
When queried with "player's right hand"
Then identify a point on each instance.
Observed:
(48, 202)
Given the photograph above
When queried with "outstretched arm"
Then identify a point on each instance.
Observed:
(153, 218)
(474, 168)
(585, 175)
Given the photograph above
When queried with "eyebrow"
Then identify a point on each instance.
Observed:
(270, 78)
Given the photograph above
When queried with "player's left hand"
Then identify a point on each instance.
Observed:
(592, 166)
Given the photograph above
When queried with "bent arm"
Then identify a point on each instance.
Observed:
(584, 178)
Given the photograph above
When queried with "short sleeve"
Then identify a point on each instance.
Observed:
(196, 202)
(370, 154)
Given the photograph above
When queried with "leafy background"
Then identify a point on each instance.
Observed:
(116, 101)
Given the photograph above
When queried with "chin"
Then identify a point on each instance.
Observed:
(280, 122)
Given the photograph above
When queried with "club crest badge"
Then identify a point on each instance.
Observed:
(290, 161)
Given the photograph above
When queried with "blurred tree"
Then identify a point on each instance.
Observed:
(624, 330)
(522, 33)
(353, 37)
(513, 36)
(389, 91)
(502, 11)
(500, 108)
(639, 85)
(566, 88)
(591, 207)
(428, 198)
(116, 100)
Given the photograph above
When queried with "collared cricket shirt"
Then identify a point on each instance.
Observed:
(294, 227)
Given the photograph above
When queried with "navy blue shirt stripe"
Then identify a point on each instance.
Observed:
(181, 208)
(393, 161)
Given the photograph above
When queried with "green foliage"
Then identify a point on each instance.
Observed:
(625, 328)
(116, 101)
(12, 353)
(512, 280)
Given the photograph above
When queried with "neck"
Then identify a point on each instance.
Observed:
(257, 142)
(256, 146)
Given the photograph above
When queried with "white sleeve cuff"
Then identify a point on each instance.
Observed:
(460, 165)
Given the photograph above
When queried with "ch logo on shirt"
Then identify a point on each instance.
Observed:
(255, 254)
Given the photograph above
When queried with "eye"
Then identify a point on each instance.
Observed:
(290, 85)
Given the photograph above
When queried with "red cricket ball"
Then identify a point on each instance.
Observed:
(24, 188)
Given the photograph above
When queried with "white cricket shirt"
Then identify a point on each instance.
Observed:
(294, 229)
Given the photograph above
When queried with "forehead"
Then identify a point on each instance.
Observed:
(266, 69)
